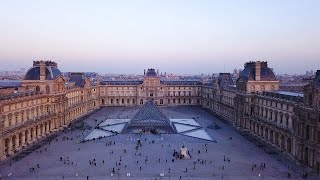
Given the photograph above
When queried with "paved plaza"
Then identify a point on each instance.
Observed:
(115, 157)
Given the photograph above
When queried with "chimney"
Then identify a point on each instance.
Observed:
(158, 72)
(258, 70)
(144, 72)
(42, 70)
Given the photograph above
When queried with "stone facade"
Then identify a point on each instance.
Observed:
(253, 104)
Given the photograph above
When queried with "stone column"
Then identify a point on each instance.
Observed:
(29, 135)
(2, 146)
(43, 130)
(48, 129)
(17, 142)
(23, 140)
(34, 136)
(38, 131)
(10, 146)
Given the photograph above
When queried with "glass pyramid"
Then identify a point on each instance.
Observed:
(150, 118)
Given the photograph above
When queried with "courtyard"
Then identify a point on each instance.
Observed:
(229, 156)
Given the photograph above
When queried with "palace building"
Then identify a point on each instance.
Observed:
(45, 102)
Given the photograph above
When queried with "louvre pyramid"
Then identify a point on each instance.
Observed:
(148, 118)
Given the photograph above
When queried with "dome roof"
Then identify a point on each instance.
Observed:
(52, 72)
(249, 72)
(151, 73)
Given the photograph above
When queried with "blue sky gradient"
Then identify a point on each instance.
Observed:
(179, 36)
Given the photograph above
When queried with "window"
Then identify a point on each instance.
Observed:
(37, 89)
(47, 89)
(252, 89)
(310, 99)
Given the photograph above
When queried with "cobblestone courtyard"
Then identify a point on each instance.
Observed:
(229, 158)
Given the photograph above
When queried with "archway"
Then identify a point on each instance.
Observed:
(31, 135)
(266, 134)
(26, 136)
(282, 141)
(13, 141)
(271, 136)
(306, 156)
(277, 139)
(6, 146)
(289, 149)
(20, 139)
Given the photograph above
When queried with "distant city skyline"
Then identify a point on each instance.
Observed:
(179, 36)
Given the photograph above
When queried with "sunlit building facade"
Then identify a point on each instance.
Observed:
(45, 102)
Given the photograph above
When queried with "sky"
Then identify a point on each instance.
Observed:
(175, 36)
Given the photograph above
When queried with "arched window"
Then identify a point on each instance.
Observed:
(252, 89)
(308, 132)
(37, 89)
(47, 89)
(310, 99)
(263, 88)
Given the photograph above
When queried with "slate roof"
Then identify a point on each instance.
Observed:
(181, 82)
(225, 79)
(150, 117)
(10, 83)
(121, 82)
(297, 97)
(249, 72)
(78, 79)
(34, 73)
(151, 73)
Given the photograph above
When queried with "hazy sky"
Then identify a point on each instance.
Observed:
(171, 35)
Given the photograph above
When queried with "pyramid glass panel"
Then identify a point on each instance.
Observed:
(150, 118)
